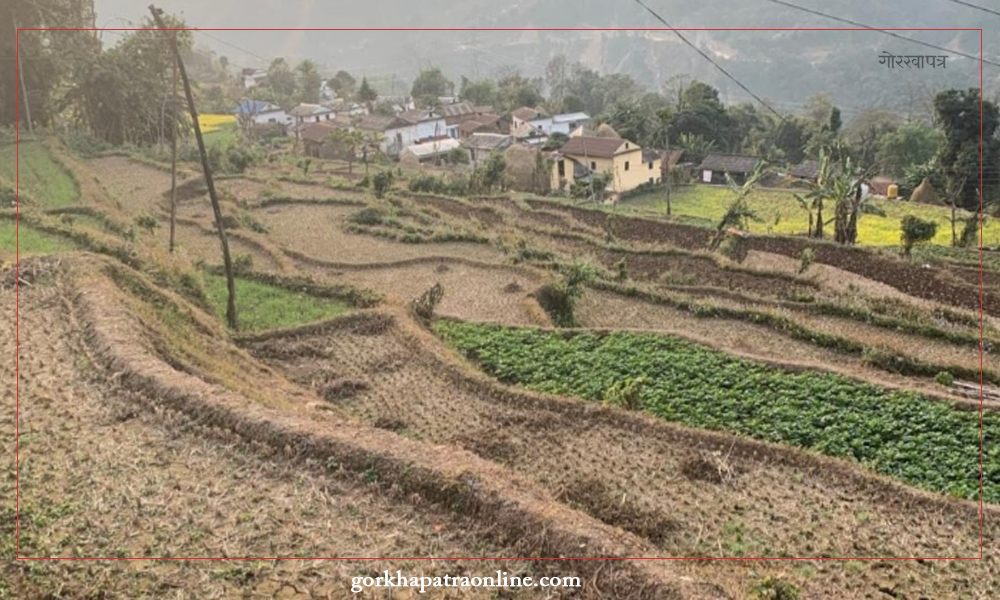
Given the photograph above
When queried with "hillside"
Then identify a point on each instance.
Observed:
(785, 67)
(695, 405)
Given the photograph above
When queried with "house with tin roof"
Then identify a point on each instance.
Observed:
(622, 159)
(714, 167)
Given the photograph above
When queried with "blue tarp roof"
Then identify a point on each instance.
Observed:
(253, 107)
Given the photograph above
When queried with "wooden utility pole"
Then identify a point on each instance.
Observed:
(665, 166)
(24, 90)
(213, 196)
(173, 154)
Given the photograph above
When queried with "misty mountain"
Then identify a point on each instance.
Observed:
(784, 67)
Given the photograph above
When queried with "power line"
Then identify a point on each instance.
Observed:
(711, 60)
(893, 34)
(977, 7)
(231, 45)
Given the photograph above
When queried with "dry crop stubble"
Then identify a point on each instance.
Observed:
(631, 475)
(508, 509)
(316, 231)
(108, 472)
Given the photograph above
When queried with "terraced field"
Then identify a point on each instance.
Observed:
(705, 406)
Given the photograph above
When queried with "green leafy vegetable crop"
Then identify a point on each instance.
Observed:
(923, 442)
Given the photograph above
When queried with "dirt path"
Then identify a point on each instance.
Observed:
(104, 472)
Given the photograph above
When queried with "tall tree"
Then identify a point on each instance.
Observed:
(865, 130)
(48, 58)
(700, 113)
(367, 94)
(908, 146)
(481, 92)
(342, 84)
(307, 82)
(280, 82)
(430, 85)
(958, 114)
(122, 94)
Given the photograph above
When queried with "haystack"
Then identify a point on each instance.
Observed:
(607, 131)
(526, 169)
(925, 193)
(407, 159)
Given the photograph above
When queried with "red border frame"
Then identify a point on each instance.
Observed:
(982, 510)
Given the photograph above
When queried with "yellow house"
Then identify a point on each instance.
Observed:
(627, 163)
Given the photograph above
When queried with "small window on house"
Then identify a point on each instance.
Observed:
(317, 119)
(593, 166)
(626, 165)
(272, 120)
(650, 164)
(626, 145)
(562, 168)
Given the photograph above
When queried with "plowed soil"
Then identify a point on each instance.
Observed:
(107, 472)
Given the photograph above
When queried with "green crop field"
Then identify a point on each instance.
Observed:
(29, 240)
(781, 213)
(261, 306)
(925, 443)
(41, 176)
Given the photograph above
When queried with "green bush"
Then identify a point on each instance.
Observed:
(625, 393)
(242, 264)
(733, 248)
(914, 230)
(622, 268)
(945, 378)
(85, 144)
(381, 183)
(367, 216)
(559, 299)
(147, 222)
(806, 258)
(773, 588)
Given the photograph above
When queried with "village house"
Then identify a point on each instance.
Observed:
(622, 159)
(431, 150)
(482, 145)
(252, 77)
(387, 130)
(346, 107)
(304, 114)
(807, 170)
(671, 160)
(316, 139)
(485, 123)
(714, 167)
(563, 123)
(398, 104)
(534, 124)
(459, 113)
(311, 113)
(423, 125)
(523, 116)
(257, 112)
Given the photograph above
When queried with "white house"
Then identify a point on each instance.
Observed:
(563, 123)
(311, 113)
(427, 151)
(252, 77)
(259, 113)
